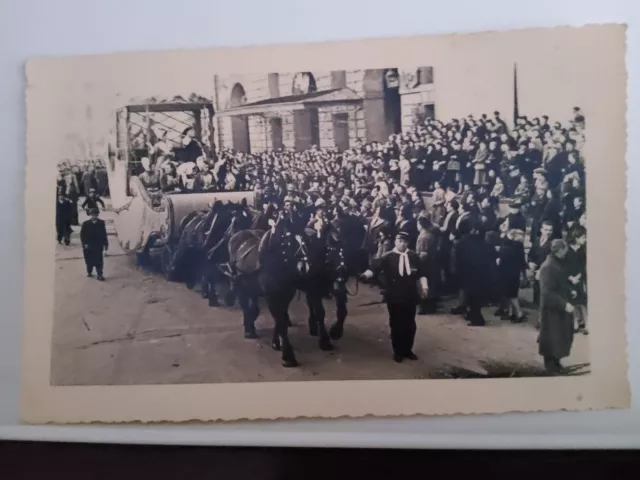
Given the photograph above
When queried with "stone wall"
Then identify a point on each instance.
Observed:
(262, 86)
(414, 97)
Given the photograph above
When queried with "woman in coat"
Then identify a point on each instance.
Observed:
(511, 267)
(556, 310)
(72, 193)
(480, 164)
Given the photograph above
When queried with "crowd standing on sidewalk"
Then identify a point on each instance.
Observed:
(467, 247)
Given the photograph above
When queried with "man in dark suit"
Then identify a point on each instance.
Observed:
(540, 248)
(402, 269)
(515, 220)
(474, 259)
(427, 250)
(464, 225)
(447, 230)
(93, 235)
(406, 223)
(64, 214)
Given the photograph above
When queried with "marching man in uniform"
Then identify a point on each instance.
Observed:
(93, 235)
(402, 269)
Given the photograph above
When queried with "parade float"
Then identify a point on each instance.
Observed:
(148, 224)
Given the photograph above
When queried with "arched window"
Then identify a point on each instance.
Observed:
(303, 83)
(239, 124)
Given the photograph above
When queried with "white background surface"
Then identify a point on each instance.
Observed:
(62, 27)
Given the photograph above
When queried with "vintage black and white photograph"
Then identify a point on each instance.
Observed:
(419, 220)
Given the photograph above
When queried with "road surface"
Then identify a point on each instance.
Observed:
(137, 328)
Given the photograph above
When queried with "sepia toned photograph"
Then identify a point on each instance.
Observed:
(424, 219)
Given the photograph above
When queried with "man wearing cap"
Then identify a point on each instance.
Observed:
(556, 311)
(515, 220)
(93, 235)
(401, 269)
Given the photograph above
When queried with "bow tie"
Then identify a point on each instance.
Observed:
(403, 264)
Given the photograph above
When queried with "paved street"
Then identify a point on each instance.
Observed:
(137, 328)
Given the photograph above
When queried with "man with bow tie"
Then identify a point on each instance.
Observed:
(402, 270)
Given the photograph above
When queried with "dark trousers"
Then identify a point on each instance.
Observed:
(474, 304)
(63, 232)
(402, 322)
(536, 292)
(74, 212)
(448, 283)
(93, 259)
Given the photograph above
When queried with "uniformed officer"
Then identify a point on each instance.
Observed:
(402, 269)
(93, 235)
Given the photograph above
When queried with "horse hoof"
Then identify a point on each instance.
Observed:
(290, 363)
(275, 346)
(250, 335)
(335, 333)
(313, 332)
(213, 302)
(326, 346)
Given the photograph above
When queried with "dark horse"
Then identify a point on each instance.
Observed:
(202, 233)
(346, 257)
(271, 264)
(216, 255)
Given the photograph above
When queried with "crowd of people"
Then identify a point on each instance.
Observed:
(469, 167)
(83, 179)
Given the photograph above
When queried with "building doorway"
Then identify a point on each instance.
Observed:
(275, 125)
(240, 123)
(392, 103)
(430, 111)
(341, 131)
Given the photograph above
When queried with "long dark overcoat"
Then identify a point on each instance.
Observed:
(556, 325)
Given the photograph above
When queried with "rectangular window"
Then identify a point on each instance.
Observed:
(276, 133)
(341, 131)
(425, 75)
(430, 110)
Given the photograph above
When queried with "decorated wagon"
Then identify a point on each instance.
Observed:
(149, 224)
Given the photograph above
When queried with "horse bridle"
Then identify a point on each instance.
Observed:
(302, 249)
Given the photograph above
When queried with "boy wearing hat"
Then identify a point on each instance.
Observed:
(402, 270)
(92, 201)
(93, 235)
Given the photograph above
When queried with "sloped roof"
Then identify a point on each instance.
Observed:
(335, 96)
(175, 103)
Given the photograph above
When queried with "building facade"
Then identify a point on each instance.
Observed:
(256, 113)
